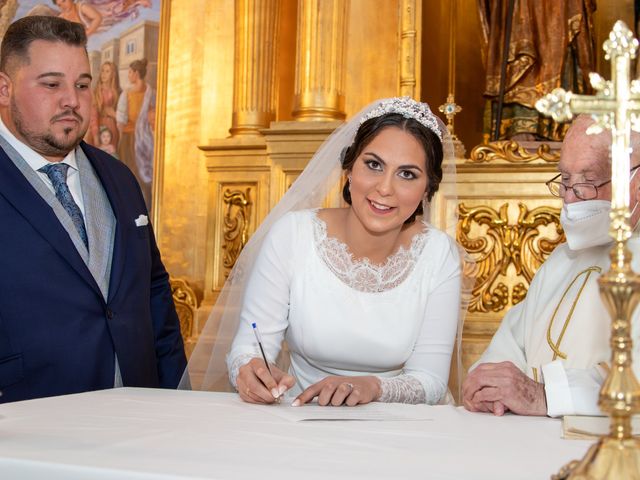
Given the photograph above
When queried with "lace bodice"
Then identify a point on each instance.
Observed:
(362, 275)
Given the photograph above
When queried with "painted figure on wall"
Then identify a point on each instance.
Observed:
(105, 142)
(134, 115)
(96, 15)
(105, 99)
(80, 12)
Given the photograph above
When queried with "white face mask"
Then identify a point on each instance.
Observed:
(586, 223)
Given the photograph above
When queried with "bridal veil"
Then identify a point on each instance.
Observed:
(207, 368)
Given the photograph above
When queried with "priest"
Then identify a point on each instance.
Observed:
(551, 352)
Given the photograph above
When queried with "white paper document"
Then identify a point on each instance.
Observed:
(370, 412)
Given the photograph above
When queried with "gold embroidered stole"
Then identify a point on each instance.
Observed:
(555, 345)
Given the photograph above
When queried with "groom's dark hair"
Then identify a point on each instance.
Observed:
(21, 33)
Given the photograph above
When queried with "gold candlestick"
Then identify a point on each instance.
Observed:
(615, 106)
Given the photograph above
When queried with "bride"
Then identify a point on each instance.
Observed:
(366, 296)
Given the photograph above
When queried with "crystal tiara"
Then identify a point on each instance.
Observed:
(408, 108)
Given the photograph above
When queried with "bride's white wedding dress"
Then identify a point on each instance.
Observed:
(343, 317)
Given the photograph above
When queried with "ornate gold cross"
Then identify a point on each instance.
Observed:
(450, 108)
(615, 107)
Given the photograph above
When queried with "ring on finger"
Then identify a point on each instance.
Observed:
(350, 385)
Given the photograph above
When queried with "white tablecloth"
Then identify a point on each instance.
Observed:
(140, 433)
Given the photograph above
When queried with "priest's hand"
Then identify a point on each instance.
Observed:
(471, 385)
(502, 387)
(256, 385)
(337, 391)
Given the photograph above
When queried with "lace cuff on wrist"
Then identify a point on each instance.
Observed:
(402, 389)
(234, 367)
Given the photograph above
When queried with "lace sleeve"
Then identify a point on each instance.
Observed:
(234, 368)
(401, 389)
(266, 298)
(405, 389)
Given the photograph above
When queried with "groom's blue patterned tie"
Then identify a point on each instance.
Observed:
(57, 173)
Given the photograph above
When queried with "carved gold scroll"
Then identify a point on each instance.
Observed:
(512, 152)
(186, 304)
(496, 244)
(236, 225)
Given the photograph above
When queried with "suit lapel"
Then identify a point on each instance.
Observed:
(17, 190)
(119, 245)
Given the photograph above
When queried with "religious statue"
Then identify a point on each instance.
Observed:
(550, 45)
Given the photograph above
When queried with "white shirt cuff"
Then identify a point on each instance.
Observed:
(557, 390)
(571, 392)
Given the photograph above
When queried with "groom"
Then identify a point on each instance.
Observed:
(85, 302)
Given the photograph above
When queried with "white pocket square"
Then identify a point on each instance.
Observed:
(142, 220)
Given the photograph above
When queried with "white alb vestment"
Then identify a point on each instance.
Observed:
(560, 332)
(344, 317)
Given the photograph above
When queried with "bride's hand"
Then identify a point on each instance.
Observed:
(342, 391)
(256, 385)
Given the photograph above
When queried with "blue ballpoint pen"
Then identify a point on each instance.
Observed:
(256, 332)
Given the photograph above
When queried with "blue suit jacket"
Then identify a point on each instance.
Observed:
(57, 333)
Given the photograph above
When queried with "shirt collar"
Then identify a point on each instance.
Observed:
(33, 158)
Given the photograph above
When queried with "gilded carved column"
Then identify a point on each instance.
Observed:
(410, 13)
(256, 27)
(320, 59)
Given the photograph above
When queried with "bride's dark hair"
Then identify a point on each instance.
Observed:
(428, 139)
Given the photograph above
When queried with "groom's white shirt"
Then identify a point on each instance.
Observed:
(563, 316)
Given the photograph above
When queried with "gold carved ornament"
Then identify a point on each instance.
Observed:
(512, 152)
(495, 245)
(236, 225)
(186, 304)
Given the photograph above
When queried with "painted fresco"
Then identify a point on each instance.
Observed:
(123, 52)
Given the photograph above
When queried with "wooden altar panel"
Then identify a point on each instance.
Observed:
(503, 199)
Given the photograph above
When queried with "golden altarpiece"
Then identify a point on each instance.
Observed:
(276, 81)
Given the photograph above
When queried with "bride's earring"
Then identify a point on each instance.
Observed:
(425, 205)
(349, 180)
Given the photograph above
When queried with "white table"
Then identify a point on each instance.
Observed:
(138, 433)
